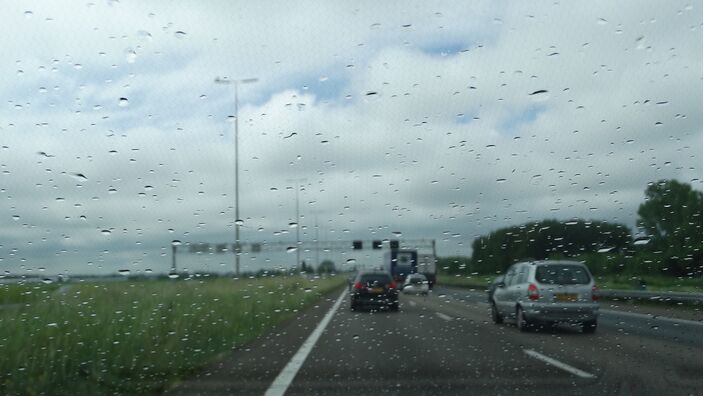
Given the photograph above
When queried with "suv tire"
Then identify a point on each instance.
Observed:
(495, 315)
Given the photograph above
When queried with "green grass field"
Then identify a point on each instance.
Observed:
(19, 293)
(137, 337)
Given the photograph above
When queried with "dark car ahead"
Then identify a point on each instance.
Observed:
(374, 290)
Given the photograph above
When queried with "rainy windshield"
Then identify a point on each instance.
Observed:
(191, 190)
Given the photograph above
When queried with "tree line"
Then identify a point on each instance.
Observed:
(669, 242)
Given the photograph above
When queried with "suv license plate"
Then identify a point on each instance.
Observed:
(566, 297)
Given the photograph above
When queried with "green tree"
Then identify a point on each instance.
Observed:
(307, 269)
(545, 239)
(672, 217)
(326, 267)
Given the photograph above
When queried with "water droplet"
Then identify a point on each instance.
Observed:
(397, 233)
(130, 56)
(605, 250)
(148, 271)
(371, 93)
(500, 180)
(640, 42)
(143, 34)
(239, 222)
(180, 34)
(602, 21)
(355, 336)
(79, 176)
(351, 261)
(28, 14)
(641, 241)
(15, 217)
(105, 232)
(124, 272)
(148, 188)
(291, 249)
(176, 242)
(123, 102)
(78, 66)
(52, 324)
(293, 224)
(173, 275)
(541, 94)
(47, 281)
(112, 190)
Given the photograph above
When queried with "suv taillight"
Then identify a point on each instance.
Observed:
(533, 293)
(594, 297)
(392, 285)
(358, 285)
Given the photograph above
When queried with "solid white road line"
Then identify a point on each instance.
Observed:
(282, 382)
(443, 316)
(558, 364)
(650, 317)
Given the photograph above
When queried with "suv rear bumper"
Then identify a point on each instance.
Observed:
(561, 312)
(375, 300)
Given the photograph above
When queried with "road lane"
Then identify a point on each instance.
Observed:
(610, 320)
(416, 351)
(626, 362)
(446, 344)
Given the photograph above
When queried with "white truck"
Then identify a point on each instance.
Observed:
(427, 266)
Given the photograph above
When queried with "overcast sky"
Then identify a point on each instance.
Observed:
(433, 120)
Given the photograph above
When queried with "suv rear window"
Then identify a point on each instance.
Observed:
(562, 274)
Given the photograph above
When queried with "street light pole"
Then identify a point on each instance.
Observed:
(298, 220)
(238, 221)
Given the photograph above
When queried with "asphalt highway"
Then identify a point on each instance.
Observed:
(446, 344)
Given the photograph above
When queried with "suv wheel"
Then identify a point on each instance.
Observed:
(495, 315)
(589, 326)
(521, 322)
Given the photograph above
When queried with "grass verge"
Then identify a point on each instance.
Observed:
(21, 293)
(137, 337)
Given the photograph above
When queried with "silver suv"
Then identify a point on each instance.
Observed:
(546, 292)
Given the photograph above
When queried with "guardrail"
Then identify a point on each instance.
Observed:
(650, 295)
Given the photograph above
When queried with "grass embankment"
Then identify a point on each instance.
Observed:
(137, 337)
(21, 293)
(652, 282)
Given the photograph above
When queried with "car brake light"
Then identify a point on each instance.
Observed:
(533, 291)
(392, 285)
(594, 297)
(358, 285)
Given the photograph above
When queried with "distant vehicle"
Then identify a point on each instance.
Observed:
(547, 292)
(427, 265)
(415, 284)
(400, 263)
(492, 286)
(374, 289)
